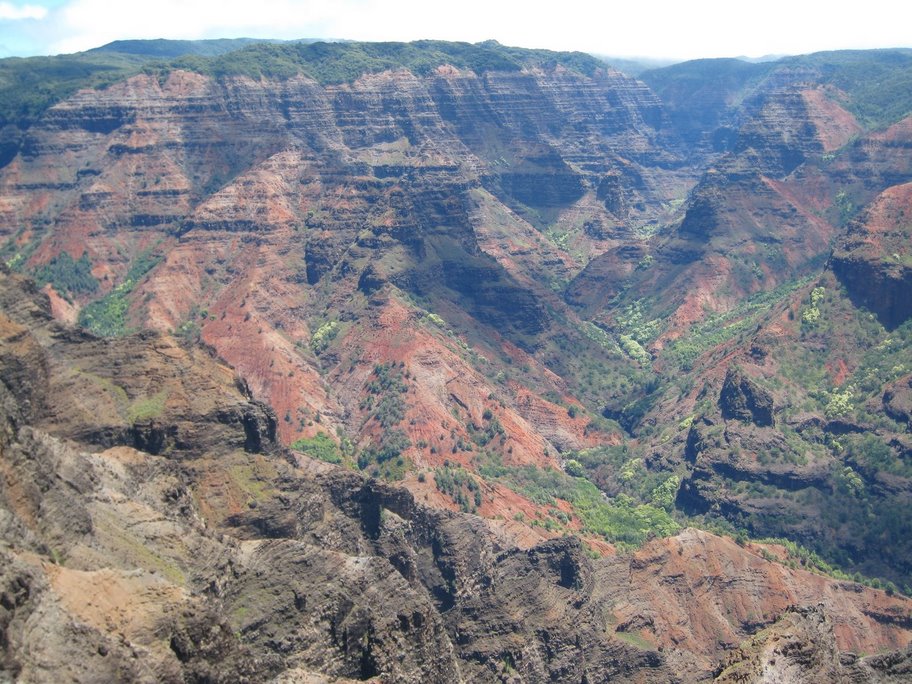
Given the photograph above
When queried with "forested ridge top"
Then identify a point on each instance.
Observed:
(28, 86)
(877, 83)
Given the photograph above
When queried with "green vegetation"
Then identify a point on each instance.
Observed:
(574, 468)
(14, 255)
(435, 319)
(635, 351)
(68, 276)
(162, 48)
(387, 378)
(320, 446)
(621, 469)
(254, 479)
(635, 640)
(488, 432)
(811, 314)
(107, 317)
(600, 337)
(844, 207)
(385, 459)
(877, 84)
(325, 334)
(633, 322)
(718, 329)
(840, 403)
(384, 395)
(842, 331)
(884, 361)
(29, 86)
(622, 520)
(599, 371)
(458, 484)
(797, 555)
(147, 408)
(872, 452)
(345, 62)
(188, 332)
(663, 496)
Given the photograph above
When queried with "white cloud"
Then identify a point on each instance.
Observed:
(90, 23)
(9, 11)
(665, 28)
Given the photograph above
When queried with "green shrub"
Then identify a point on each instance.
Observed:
(574, 468)
(622, 520)
(460, 485)
(325, 334)
(107, 316)
(68, 275)
(840, 403)
(385, 459)
(320, 446)
(635, 351)
(663, 496)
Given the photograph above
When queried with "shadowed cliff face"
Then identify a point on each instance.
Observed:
(875, 262)
(220, 560)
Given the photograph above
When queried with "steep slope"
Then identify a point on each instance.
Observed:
(222, 560)
(794, 427)
(763, 215)
(875, 263)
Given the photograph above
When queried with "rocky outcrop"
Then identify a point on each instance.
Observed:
(897, 400)
(146, 392)
(875, 262)
(734, 461)
(877, 285)
(801, 647)
(743, 399)
(334, 575)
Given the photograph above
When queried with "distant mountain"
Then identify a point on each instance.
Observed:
(634, 66)
(165, 49)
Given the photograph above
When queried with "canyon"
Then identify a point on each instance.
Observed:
(449, 362)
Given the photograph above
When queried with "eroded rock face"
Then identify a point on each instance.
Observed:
(787, 479)
(742, 399)
(410, 216)
(897, 400)
(724, 453)
(209, 562)
(801, 647)
(874, 261)
(147, 391)
(272, 205)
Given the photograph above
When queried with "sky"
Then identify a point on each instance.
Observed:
(680, 29)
